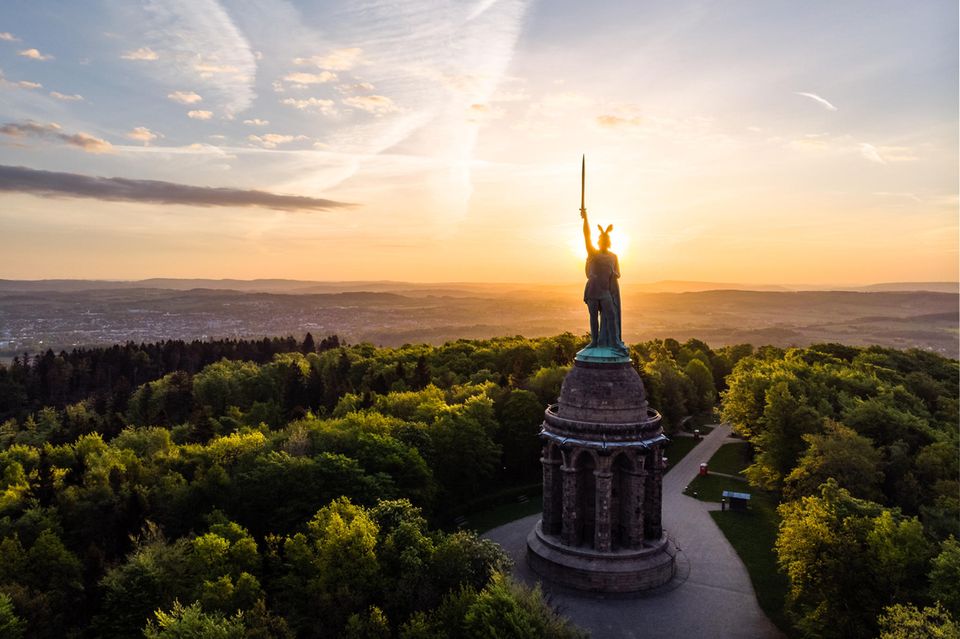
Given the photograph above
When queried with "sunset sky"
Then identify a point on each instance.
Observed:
(425, 140)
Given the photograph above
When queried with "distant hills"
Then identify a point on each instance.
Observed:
(456, 289)
(59, 314)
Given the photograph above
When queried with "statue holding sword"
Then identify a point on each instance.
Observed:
(602, 291)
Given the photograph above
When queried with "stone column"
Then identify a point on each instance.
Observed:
(601, 536)
(551, 518)
(570, 531)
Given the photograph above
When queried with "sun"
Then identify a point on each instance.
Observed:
(619, 243)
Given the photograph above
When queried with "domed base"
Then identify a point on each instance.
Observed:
(617, 571)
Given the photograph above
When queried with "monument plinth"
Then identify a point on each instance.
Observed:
(602, 462)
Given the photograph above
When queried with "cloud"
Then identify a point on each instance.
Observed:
(201, 44)
(143, 53)
(52, 131)
(816, 98)
(75, 97)
(19, 179)
(336, 60)
(618, 122)
(26, 84)
(34, 54)
(300, 79)
(897, 153)
(481, 112)
(376, 104)
(185, 97)
(6, 36)
(319, 105)
(870, 152)
(847, 145)
(208, 69)
(271, 140)
(347, 89)
(199, 114)
(256, 122)
(143, 134)
(815, 142)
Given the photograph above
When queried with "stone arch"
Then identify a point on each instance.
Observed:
(585, 497)
(552, 461)
(653, 493)
(624, 504)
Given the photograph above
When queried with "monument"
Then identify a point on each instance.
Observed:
(602, 457)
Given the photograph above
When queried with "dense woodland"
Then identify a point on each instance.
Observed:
(287, 488)
(862, 446)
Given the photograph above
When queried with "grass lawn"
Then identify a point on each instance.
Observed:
(711, 487)
(731, 458)
(484, 520)
(678, 448)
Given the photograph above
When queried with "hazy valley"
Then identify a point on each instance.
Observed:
(62, 314)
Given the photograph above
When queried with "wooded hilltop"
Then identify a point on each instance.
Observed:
(307, 488)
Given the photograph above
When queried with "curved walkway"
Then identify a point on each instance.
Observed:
(712, 596)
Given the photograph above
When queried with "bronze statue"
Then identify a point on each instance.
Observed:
(602, 291)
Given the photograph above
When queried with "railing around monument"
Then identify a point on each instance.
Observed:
(640, 432)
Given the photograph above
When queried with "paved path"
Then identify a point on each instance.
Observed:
(711, 597)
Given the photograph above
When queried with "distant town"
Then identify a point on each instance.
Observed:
(36, 316)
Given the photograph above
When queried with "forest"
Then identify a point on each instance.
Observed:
(308, 488)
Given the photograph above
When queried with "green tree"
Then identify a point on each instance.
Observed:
(520, 414)
(192, 622)
(909, 622)
(839, 453)
(371, 624)
(703, 393)
(779, 442)
(944, 581)
(505, 610)
(846, 559)
(11, 626)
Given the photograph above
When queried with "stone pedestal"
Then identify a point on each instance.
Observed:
(603, 531)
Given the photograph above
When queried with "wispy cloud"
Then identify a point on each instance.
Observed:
(256, 122)
(301, 79)
(6, 36)
(376, 104)
(200, 43)
(483, 113)
(318, 105)
(336, 60)
(73, 97)
(819, 100)
(19, 179)
(34, 54)
(143, 134)
(144, 54)
(356, 87)
(185, 97)
(199, 114)
(618, 122)
(272, 140)
(26, 84)
(870, 152)
(53, 131)
(823, 143)
(209, 69)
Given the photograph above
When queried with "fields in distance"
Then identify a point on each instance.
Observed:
(36, 317)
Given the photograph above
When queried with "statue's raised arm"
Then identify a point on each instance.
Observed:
(586, 233)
